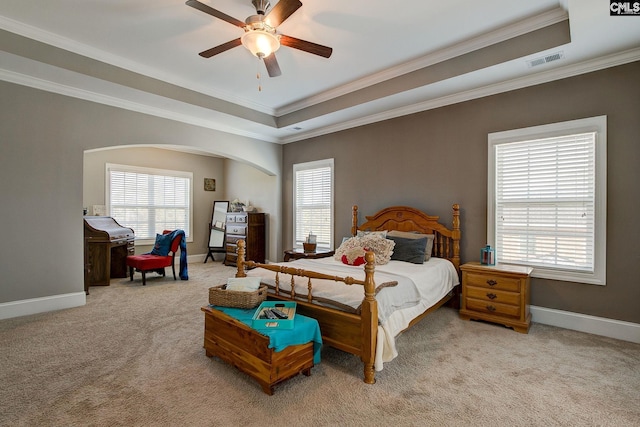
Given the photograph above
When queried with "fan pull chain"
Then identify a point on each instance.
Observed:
(258, 77)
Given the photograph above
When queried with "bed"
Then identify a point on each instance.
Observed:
(361, 320)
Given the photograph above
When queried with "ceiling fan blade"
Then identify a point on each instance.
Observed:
(221, 48)
(216, 13)
(282, 11)
(273, 69)
(306, 46)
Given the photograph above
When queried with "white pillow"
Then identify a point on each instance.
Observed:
(243, 284)
(362, 233)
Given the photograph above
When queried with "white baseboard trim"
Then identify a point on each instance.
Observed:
(40, 305)
(199, 258)
(611, 328)
(59, 302)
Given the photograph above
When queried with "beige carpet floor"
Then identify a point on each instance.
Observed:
(133, 356)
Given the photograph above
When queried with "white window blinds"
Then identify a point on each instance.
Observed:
(313, 198)
(547, 199)
(149, 200)
(545, 204)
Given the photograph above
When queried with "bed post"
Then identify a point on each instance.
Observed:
(240, 260)
(354, 220)
(369, 317)
(455, 236)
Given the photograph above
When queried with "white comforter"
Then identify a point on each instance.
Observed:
(419, 287)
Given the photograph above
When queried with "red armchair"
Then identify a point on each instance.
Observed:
(149, 262)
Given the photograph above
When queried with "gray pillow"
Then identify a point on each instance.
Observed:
(409, 250)
(416, 235)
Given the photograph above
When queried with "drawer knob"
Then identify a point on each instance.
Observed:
(491, 308)
(491, 282)
(492, 296)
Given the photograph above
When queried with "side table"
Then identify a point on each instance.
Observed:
(496, 293)
(298, 253)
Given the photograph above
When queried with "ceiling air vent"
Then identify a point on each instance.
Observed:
(545, 59)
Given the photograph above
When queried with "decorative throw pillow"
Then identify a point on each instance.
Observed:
(346, 246)
(381, 247)
(244, 284)
(415, 235)
(348, 243)
(354, 256)
(162, 245)
(409, 250)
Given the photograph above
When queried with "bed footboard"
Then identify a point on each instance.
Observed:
(337, 327)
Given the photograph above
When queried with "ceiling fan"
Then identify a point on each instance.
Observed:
(260, 36)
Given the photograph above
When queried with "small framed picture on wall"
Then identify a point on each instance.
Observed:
(209, 184)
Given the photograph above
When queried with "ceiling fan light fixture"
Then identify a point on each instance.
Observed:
(260, 43)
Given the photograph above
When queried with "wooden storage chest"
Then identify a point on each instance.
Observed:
(248, 350)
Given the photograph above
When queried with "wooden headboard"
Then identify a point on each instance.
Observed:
(446, 243)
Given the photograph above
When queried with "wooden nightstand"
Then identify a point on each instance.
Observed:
(299, 253)
(496, 293)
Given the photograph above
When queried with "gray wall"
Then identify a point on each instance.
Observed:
(244, 183)
(43, 138)
(433, 159)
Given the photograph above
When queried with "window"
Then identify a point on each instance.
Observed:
(149, 200)
(547, 199)
(313, 202)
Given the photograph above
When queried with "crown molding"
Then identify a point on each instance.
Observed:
(73, 46)
(475, 43)
(99, 98)
(517, 83)
(501, 34)
(609, 61)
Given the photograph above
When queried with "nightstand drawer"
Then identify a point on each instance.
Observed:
(493, 295)
(493, 281)
(231, 256)
(232, 240)
(493, 308)
(236, 229)
(239, 218)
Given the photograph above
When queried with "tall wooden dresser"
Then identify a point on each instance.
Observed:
(249, 226)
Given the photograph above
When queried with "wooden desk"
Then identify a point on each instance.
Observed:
(299, 254)
(106, 247)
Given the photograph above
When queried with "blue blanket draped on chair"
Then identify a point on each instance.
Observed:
(184, 273)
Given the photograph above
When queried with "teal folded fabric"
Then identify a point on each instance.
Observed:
(305, 329)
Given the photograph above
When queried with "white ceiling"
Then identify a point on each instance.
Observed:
(376, 47)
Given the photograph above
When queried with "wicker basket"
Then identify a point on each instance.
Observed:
(219, 295)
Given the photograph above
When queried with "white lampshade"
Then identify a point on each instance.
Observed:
(260, 43)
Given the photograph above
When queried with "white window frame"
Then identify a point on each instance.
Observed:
(143, 240)
(598, 125)
(299, 167)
